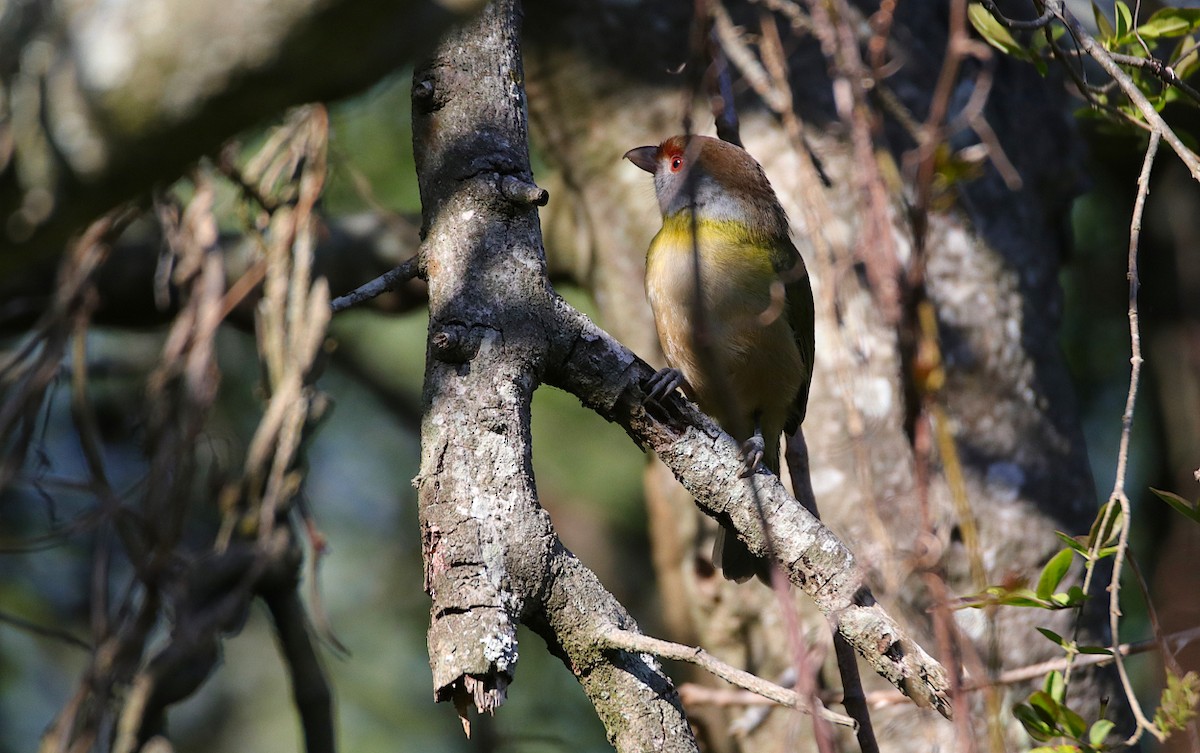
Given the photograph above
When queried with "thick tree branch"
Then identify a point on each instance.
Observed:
(492, 559)
(105, 99)
(608, 378)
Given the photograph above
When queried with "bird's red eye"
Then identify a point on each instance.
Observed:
(676, 163)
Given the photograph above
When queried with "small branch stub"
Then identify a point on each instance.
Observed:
(454, 343)
(422, 94)
(522, 192)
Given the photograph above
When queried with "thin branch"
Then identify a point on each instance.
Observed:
(1012, 23)
(310, 687)
(45, 631)
(638, 643)
(1118, 494)
(1017, 675)
(383, 283)
(1170, 662)
(1159, 70)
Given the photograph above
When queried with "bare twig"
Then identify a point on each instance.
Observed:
(1041, 669)
(639, 643)
(380, 285)
(1012, 23)
(1118, 496)
(1170, 661)
(46, 631)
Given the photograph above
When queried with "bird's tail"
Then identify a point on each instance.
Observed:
(733, 558)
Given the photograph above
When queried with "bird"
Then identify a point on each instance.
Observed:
(750, 298)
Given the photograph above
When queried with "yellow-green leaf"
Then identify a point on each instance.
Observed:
(993, 31)
(1124, 18)
(1099, 731)
(1171, 22)
(1053, 573)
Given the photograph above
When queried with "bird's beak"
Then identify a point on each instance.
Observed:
(645, 157)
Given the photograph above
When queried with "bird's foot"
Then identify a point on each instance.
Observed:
(753, 450)
(663, 383)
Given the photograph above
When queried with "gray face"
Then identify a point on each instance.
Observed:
(683, 189)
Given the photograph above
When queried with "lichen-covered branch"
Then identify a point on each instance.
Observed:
(492, 559)
(608, 378)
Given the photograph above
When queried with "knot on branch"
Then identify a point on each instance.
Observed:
(453, 343)
(522, 192)
(423, 95)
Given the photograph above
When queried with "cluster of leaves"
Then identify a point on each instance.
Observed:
(1100, 542)
(1045, 714)
(1160, 54)
(1182, 60)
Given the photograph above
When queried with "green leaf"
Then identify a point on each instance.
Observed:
(1047, 709)
(1171, 22)
(1188, 509)
(1099, 731)
(1076, 595)
(1072, 598)
(1073, 722)
(1021, 597)
(1124, 18)
(1105, 28)
(1095, 650)
(1105, 527)
(1053, 572)
(993, 31)
(1188, 64)
(1072, 542)
(1054, 637)
(1177, 706)
(1037, 727)
(1055, 686)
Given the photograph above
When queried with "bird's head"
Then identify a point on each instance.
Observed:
(715, 178)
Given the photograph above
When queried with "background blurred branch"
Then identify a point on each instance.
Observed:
(350, 250)
(100, 100)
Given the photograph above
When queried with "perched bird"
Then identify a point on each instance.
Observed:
(751, 297)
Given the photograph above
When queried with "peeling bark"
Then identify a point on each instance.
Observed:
(492, 558)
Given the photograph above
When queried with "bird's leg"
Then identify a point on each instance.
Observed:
(753, 450)
(663, 383)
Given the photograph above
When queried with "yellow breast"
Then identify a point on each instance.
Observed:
(756, 358)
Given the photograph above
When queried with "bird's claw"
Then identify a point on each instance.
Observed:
(753, 450)
(663, 383)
